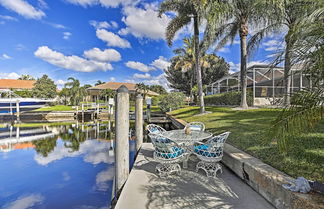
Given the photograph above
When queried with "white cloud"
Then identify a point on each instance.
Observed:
(5, 57)
(141, 76)
(8, 18)
(24, 202)
(161, 63)
(272, 45)
(104, 177)
(55, 25)
(108, 55)
(99, 25)
(9, 76)
(23, 8)
(70, 62)
(20, 47)
(112, 39)
(66, 176)
(104, 3)
(103, 24)
(144, 22)
(224, 50)
(158, 80)
(114, 24)
(60, 82)
(66, 35)
(139, 66)
(93, 152)
(112, 79)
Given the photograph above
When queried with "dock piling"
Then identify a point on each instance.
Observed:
(122, 137)
(139, 121)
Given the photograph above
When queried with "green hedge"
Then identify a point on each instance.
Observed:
(230, 98)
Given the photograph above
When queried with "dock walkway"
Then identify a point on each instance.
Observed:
(145, 190)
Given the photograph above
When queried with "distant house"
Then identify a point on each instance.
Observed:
(13, 84)
(94, 91)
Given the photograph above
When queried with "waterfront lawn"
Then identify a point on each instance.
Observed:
(55, 108)
(249, 129)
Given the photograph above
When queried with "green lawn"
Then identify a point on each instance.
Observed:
(249, 129)
(55, 108)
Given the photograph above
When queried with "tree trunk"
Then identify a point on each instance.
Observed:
(287, 68)
(243, 35)
(197, 65)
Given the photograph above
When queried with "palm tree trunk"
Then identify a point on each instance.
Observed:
(243, 35)
(287, 68)
(197, 65)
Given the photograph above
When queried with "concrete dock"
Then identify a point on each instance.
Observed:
(145, 190)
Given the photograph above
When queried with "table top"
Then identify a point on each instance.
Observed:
(180, 135)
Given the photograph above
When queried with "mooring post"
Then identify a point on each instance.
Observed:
(18, 110)
(98, 110)
(122, 138)
(139, 121)
(82, 106)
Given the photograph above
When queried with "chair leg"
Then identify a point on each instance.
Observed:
(165, 169)
(210, 168)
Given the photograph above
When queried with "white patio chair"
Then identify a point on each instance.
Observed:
(196, 126)
(168, 154)
(154, 129)
(210, 153)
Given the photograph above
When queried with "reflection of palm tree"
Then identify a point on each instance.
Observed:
(45, 146)
(73, 139)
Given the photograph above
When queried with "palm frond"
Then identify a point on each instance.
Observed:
(175, 25)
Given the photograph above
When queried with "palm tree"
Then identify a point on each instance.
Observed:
(99, 82)
(290, 15)
(308, 107)
(142, 88)
(76, 92)
(186, 10)
(26, 77)
(234, 18)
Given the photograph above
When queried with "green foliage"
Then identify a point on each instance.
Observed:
(26, 77)
(142, 88)
(158, 89)
(107, 93)
(24, 93)
(249, 130)
(74, 91)
(171, 101)
(44, 88)
(229, 98)
(99, 82)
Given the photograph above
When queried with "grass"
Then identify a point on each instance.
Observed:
(249, 129)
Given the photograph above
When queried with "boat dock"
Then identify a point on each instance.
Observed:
(144, 189)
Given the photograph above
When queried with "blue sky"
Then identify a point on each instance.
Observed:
(108, 40)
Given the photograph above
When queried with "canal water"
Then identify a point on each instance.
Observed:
(64, 166)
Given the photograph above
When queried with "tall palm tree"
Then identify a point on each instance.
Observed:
(289, 16)
(186, 10)
(76, 92)
(234, 18)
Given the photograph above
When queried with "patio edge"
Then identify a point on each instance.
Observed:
(263, 178)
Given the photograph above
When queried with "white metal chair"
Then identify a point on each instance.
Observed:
(168, 154)
(196, 126)
(154, 129)
(210, 153)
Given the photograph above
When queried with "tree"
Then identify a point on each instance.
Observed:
(307, 109)
(75, 91)
(44, 88)
(107, 93)
(290, 15)
(64, 95)
(99, 82)
(26, 77)
(142, 88)
(235, 18)
(158, 89)
(171, 101)
(186, 10)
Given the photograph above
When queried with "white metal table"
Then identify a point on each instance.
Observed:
(180, 137)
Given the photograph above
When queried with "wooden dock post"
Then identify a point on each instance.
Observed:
(82, 106)
(139, 121)
(122, 138)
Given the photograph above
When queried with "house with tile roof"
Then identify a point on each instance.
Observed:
(13, 84)
(94, 91)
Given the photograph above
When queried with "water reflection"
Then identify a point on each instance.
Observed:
(57, 167)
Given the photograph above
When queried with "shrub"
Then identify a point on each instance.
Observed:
(229, 98)
(172, 101)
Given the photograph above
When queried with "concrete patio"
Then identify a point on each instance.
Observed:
(145, 190)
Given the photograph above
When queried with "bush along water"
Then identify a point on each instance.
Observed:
(172, 101)
(229, 98)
